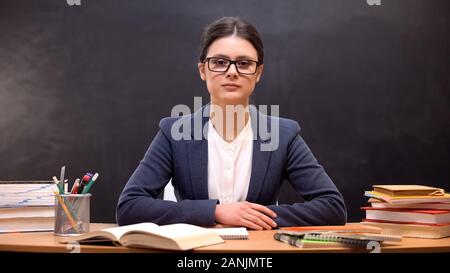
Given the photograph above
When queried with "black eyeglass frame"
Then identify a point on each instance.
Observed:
(232, 62)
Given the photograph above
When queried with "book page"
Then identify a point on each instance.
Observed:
(174, 237)
(114, 233)
(176, 231)
(118, 232)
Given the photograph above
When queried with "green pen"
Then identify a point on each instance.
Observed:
(89, 185)
(61, 180)
(59, 185)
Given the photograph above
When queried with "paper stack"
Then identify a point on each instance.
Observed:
(26, 206)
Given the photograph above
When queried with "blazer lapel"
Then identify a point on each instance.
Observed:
(198, 155)
(261, 159)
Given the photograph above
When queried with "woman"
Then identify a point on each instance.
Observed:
(227, 177)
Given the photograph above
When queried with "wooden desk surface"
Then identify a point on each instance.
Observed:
(259, 242)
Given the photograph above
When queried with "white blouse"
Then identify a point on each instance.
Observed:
(229, 165)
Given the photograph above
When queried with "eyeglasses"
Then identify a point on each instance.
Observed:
(246, 67)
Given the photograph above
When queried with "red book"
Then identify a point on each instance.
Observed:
(408, 215)
(364, 221)
(383, 205)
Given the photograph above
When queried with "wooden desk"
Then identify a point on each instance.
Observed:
(259, 242)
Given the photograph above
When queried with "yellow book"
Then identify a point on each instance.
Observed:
(408, 190)
(408, 198)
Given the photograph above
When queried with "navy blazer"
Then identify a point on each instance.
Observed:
(186, 163)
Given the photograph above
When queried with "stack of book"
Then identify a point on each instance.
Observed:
(409, 210)
(26, 206)
(349, 236)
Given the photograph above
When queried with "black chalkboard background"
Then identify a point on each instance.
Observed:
(85, 86)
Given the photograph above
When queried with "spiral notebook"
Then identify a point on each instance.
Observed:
(239, 233)
(357, 240)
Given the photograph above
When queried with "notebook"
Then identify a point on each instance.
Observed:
(239, 233)
(357, 240)
(329, 239)
(352, 236)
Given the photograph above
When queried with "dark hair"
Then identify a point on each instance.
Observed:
(228, 26)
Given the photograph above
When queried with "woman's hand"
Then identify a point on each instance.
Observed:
(246, 214)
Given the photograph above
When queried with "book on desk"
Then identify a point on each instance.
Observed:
(171, 237)
(409, 210)
(150, 235)
(26, 206)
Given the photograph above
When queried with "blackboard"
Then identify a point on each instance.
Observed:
(86, 85)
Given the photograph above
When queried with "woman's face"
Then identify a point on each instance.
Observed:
(230, 87)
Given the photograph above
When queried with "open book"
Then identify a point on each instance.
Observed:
(149, 235)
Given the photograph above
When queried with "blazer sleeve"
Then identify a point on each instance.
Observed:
(324, 204)
(138, 201)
